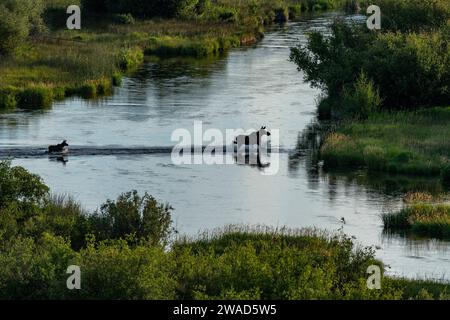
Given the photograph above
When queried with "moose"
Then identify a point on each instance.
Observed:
(253, 138)
(59, 148)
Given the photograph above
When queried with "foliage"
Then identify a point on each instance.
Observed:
(362, 100)
(408, 70)
(396, 142)
(18, 19)
(132, 214)
(120, 251)
(422, 219)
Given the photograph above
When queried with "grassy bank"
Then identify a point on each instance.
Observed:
(414, 142)
(128, 250)
(53, 63)
(383, 89)
(423, 215)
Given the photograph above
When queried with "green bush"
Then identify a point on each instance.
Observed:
(133, 214)
(35, 98)
(410, 70)
(130, 58)
(143, 9)
(114, 270)
(117, 78)
(362, 100)
(413, 15)
(8, 99)
(34, 269)
(94, 6)
(19, 186)
(104, 86)
(18, 19)
(124, 18)
(295, 11)
(375, 158)
(273, 264)
(227, 14)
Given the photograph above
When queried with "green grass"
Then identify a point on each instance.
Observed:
(422, 219)
(90, 61)
(403, 142)
(421, 289)
(124, 253)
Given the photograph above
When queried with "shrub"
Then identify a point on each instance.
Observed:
(59, 93)
(8, 99)
(114, 270)
(19, 186)
(295, 11)
(18, 19)
(35, 269)
(272, 264)
(410, 70)
(412, 15)
(35, 98)
(94, 6)
(227, 14)
(362, 100)
(104, 86)
(144, 9)
(87, 90)
(117, 78)
(130, 58)
(133, 214)
(124, 18)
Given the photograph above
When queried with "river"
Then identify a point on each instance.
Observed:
(247, 88)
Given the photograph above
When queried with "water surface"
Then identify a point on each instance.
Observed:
(247, 88)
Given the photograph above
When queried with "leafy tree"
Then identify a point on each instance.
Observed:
(18, 19)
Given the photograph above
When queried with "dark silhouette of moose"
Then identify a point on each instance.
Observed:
(59, 148)
(252, 138)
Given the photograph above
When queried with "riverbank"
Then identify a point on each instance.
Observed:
(61, 63)
(409, 142)
(423, 215)
(390, 100)
(128, 249)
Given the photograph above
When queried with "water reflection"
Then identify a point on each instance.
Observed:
(244, 89)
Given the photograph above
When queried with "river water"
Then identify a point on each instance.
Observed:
(247, 88)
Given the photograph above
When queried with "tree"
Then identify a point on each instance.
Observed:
(19, 19)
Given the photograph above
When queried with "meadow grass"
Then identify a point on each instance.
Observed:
(425, 289)
(89, 62)
(420, 218)
(413, 142)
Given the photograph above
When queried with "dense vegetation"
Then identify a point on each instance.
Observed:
(123, 254)
(377, 80)
(41, 60)
(411, 142)
(423, 215)
(403, 66)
